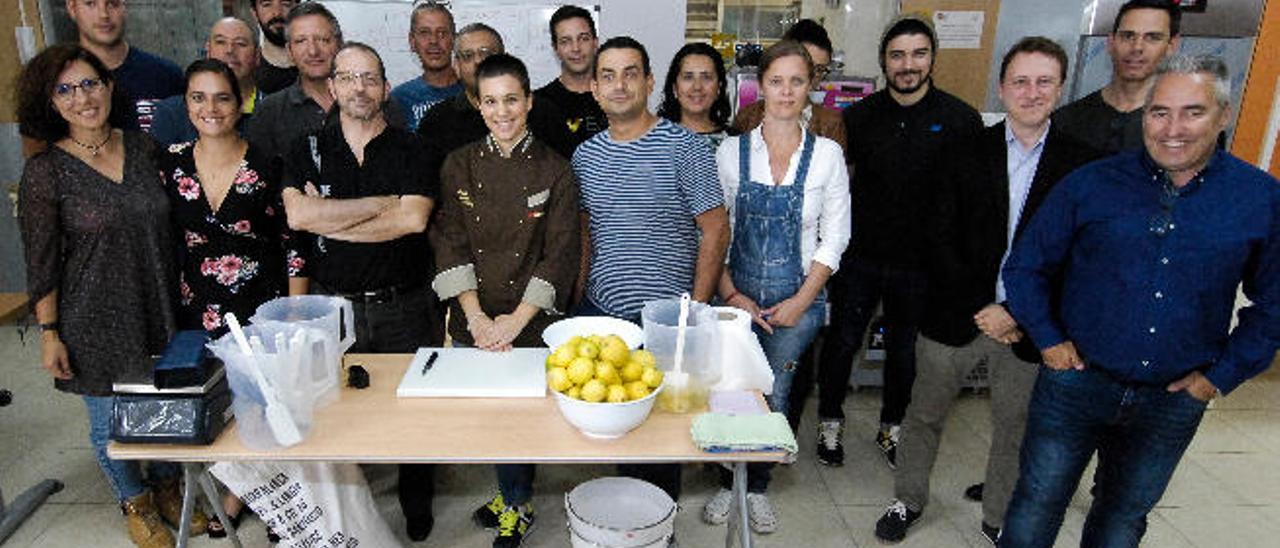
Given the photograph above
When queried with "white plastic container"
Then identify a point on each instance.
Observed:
(701, 351)
(619, 513)
(333, 316)
(288, 374)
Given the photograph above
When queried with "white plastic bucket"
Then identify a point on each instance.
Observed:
(333, 316)
(619, 513)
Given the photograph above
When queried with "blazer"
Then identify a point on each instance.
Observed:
(968, 240)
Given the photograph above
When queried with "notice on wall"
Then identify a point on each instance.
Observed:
(959, 29)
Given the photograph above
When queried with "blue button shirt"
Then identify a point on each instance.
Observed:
(1149, 273)
(1021, 164)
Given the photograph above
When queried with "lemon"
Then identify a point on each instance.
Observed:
(614, 351)
(558, 379)
(607, 373)
(563, 355)
(588, 349)
(637, 390)
(594, 338)
(573, 341)
(644, 358)
(652, 377)
(574, 392)
(617, 394)
(631, 371)
(594, 391)
(581, 370)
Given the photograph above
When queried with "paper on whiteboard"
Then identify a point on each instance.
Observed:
(959, 29)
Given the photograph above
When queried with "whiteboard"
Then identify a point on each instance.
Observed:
(523, 24)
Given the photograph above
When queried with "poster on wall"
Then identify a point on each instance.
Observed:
(959, 29)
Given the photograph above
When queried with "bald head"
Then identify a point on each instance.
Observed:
(234, 42)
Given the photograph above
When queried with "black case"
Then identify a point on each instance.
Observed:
(192, 416)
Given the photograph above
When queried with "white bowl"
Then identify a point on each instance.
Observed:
(605, 420)
(560, 332)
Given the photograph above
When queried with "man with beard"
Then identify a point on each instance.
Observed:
(275, 70)
(355, 186)
(573, 35)
(283, 118)
(233, 42)
(904, 142)
(1145, 32)
(146, 78)
(431, 32)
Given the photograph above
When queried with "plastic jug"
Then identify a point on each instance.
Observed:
(289, 373)
(334, 317)
(701, 350)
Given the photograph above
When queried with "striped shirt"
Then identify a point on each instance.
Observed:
(642, 197)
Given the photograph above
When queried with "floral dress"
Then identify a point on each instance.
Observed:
(235, 258)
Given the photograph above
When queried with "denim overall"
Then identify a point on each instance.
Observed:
(764, 262)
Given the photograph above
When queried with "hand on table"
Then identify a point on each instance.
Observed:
(1197, 385)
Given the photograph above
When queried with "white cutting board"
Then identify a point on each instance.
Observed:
(475, 373)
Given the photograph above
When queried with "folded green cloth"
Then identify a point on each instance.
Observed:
(718, 432)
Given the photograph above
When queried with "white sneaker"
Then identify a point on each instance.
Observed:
(764, 519)
(716, 512)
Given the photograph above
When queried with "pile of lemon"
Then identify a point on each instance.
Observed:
(600, 368)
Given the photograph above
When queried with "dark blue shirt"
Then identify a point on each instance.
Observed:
(1149, 273)
(147, 80)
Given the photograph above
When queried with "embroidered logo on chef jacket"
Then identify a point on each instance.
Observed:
(464, 198)
(539, 198)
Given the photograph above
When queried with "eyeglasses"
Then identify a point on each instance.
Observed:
(467, 55)
(1132, 37)
(348, 78)
(64, 92)
(1162, 222)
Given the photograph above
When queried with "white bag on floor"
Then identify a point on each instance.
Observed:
(310, 504)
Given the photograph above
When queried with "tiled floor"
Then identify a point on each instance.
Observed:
(1225, 493)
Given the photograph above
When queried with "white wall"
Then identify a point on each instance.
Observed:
(658, 24)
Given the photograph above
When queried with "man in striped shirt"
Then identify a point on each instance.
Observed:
(652, 205)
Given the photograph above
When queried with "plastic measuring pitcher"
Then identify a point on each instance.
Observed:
(334, 317)
(701, 353)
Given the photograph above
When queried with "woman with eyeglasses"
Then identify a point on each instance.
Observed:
(695, 95)
(235, 249)
(787, 190)
(95, 227)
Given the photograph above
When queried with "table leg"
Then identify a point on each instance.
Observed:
(189, 472)
(211, 494)
(739, 529)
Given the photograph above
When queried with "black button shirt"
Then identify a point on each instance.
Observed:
(391, 168)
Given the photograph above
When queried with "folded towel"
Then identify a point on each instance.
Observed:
(718, 432)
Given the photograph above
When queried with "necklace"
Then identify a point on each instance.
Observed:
(92, 148)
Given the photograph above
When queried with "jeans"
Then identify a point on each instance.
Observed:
(665, 476)
(855, 292)
(401, 325)
(1140, 433)
(941, 374)
(124, 476)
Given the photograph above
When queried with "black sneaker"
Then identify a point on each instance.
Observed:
(418, 529)
(974, 492)
(893, 525)
(830, 446)
(486, 516)
(887, 441)
(992, 534)
(514, 525)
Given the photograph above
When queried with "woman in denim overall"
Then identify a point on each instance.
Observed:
(772, 234)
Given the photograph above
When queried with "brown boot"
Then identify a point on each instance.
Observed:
(145, 528)
(169, 502)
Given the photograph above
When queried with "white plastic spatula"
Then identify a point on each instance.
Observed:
(282, 425)
(678, 379)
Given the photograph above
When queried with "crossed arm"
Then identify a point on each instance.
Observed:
(370, 219)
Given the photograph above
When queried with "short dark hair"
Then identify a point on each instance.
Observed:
(670, 107)
(909, 23)
(1037, 44)
(808, 31)
(502, 64)
(784, 48)
(38, 118)
(213, 66)
(1168, 6)
(431, 5)
(303, 9)
(382, 68)
(622, 42)
(567, 12)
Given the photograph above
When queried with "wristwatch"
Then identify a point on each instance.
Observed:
(51, 326)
